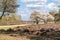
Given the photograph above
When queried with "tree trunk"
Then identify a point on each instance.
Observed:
(2, 13)
(3, 10)
(37, 21)
(45, 21)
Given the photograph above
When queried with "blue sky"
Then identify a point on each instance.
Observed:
(27, 6)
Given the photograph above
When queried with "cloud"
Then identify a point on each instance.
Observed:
(56, 1)
(38, 3)
(28, 0)
(33, 0)
(26, 6)
(24, 15)
(33, 5)
(52, 6)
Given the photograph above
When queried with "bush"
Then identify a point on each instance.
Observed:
(10, 31)
(2, 31)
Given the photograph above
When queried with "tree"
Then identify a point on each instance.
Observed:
(8, 6)
(35, 16)
(56, 15)
(18, 17)
(13, 17)
(50, 18)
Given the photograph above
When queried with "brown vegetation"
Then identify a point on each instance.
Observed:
(35, 32)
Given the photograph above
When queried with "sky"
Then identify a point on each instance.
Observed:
(27, 6)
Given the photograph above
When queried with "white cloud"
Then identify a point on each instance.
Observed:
(38, 3)
(33, 0)
(33, 5)
(56, 1)
(24, 15)
(41, 2)
(28, 0)
(23, 12)
(52, 6)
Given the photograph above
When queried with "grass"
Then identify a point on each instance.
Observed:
(5, 27)
(7, 37)
(33, 30)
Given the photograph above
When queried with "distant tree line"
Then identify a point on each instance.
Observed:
(36, 17)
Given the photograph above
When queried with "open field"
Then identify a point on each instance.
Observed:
(33, 26)
(12, 26)
(50, 31)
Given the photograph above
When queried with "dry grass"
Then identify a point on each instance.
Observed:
(7, 37)
(55, 26)
(12, 26)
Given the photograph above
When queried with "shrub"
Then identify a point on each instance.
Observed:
(10, 31)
